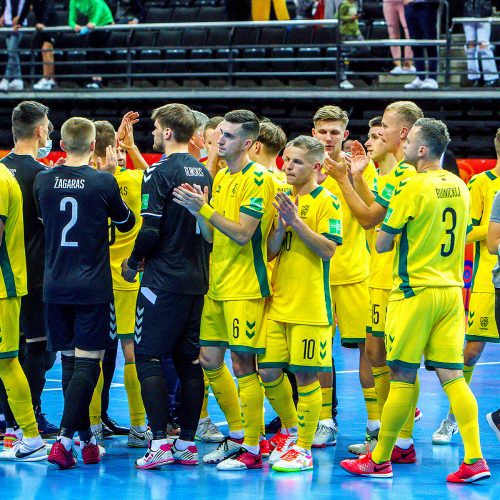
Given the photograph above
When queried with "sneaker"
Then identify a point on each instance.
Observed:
(365, 466)
(22, 452)
(325, 436)
(346, 85)
(273, 426)
(9, 440)
(226, 447)
(371, 439)
(155, 459)
(278, 438)
(98, 434)
(470, 473)
(241, 459)
(444, 432)
(294, 460)
(415, 84)
(284, 441)
(107, 433)
(430, 84)
(265, 449)
(61, 457)
(189, 456)
(45, 428)
(138, 439)
(4, 85)
(44, 84)
(397, 70)
(114, 427)
(94, 85)
(92, 453)
(418, 415)
(16, 84)
(491, 84)
(208, 432)
(494, 422)
(401, 456)
(409, 70)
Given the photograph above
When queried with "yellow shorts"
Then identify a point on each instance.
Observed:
(430, 324)
(10, 308)
(351, 304)
(379, 299)
(237, 324)
(481, 325)
(298, 348)
(125, 301)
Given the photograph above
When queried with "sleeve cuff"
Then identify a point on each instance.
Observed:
(381, 201)
(251, 213)
(475, 222)
(3, 218)
(331, 237)
(391, 230)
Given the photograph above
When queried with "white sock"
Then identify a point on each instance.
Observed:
(404, 444)
(66, 441)
(206, 419)
(182, 445)
(236, 434)
(373, 425)
(252, 449)
(33, 443)
(96, 427)
(140, 428)
(83, 443)
(290, 430)
(156, 443)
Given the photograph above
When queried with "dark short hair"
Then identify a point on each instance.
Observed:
(272, 137)
(105, 135)
(375, 122)
(248, 121)
(26, 117)
(434, 134)
(213, 122)
(177, 117)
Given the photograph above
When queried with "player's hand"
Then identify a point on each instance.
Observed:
(127, 273)
(128, 141)
(2, 20)
(359, 159)
(213, 149)
(287, 209)
(320, 176)
(131, 117)
(39, 26)
(111, 161)
(15, 27)
(60, 161)
(90, 26)
(190, 197)
(77, 28)
(337, 170)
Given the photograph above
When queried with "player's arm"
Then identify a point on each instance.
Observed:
(479, 231)
(367, 216)
(120, 214)
(275, 239)
(358, 162)
(385, 242)
(493, 237)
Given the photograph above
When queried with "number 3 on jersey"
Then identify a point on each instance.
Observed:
(450, 221)
(70, 202)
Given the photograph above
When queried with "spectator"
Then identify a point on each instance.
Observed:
(394, 14)
(261, 10)
(421, 17)
(12, 78)
(45, 15)
(98, 14)
(477, 39)
(129, 11)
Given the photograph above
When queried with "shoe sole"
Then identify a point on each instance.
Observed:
(92, 462)
(493, 426)
(252, 467)
(473, 479)
(443, 443)
(404, 461)
(62, 467)
(324, 445)
(285, 469)
(186, 462)
(156, 465)
(209, 440)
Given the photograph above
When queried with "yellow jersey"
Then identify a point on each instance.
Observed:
(122, 244)
(351, 262)
(384, 185)
(240, 272)
(301, 279)
(431, 212)
(483, 188)
(13, 276)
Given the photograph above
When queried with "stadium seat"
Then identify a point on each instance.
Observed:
(168, 38)
(280, 53)
(313, 53)
(193, 37)
(252, 66)
(271, 37)
(185, 15)
(158, 15)
(211, 14)
(117, 51)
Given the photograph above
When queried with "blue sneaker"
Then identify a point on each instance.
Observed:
(45, 428)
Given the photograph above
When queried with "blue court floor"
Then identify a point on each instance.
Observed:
(116, 479)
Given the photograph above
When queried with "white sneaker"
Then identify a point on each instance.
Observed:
(326, 435)
(287, 441)
(156, 459)
(371, 438)
(4, 85)
(208, 432)
(44, 84)
(226, 447)
(294, 460)
(137, 439)
(415, 84)
(445, 432)
(346, 84)
(16, 84)
(430, 83)
(21, 452)
(397, 70)
(409, 71)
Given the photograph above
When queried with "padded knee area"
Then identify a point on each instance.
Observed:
(87, 371)
(187, 369)
(36, 348)
(148, 366)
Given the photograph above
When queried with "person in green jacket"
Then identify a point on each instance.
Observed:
(97, 13)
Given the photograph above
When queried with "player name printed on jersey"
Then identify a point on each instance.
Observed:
(193, 171)
(69, 183)
(453, 192)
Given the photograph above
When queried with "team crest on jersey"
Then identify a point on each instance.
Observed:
(388, 191)
(304, 211)
(144, 201)
(484, 321)
(388, 215)
(256, 204)
(334, 225)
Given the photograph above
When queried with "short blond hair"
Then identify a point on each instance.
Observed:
(77, 134)
(272, 137)
(105, 135)
(331, 113)
(407, 111)
(314, 148)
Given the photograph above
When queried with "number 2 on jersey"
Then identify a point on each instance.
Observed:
(450, 221)
(73, 207)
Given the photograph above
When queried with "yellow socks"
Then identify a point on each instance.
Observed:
(396, 411)
(326, 403)
(407, 430)
(468, 371)
(19, 396)
(95, 403)
(279, 394)
(382, 379)
(133, 388)
(252, 401)
(204, 408)
(464, 406)
(371, 403)
(308, 413)
(225, 392)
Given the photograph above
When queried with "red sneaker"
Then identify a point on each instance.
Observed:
(365, 466)
(92, 453)
(278, 440)
(241, 460)
(470, 473)
(418, 415)
(400, 456)
(61, 457)
(264, 448)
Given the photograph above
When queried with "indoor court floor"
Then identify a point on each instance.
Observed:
(116, 479)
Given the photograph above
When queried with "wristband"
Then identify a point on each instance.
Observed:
(206, 211)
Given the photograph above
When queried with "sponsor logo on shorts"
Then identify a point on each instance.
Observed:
(484, 322)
